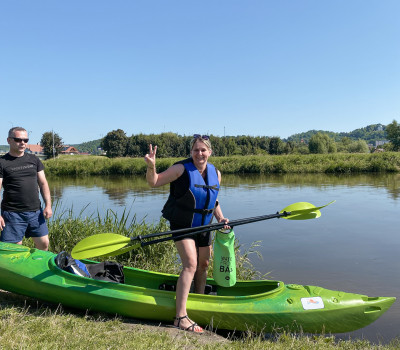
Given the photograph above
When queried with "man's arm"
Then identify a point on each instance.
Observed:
(2, 223)
(45, 191)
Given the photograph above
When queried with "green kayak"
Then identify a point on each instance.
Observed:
(262, 305)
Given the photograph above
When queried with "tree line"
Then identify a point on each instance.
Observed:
(117, 144)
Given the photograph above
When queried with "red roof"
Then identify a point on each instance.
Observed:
(69, 149)
(34, 148)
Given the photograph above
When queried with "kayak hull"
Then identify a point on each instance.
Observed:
(261, 306)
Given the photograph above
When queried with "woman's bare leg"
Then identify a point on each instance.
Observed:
(188, 254)
(200, 277)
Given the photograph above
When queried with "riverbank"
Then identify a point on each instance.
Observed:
(336, 163)
(46, 326)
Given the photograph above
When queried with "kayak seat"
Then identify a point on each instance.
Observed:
(171, 286)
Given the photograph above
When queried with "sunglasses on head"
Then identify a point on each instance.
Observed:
(17, 139)
(198, 136)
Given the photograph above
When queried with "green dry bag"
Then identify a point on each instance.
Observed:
(224, 259)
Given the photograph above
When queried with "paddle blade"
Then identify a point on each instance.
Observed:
(99, 245)
(303, 211)
(121, 251)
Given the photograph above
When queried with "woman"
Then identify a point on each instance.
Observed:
(194, 186)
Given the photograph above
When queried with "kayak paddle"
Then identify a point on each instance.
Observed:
(109, 244)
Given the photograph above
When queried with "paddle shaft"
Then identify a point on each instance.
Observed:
(219, 225)
(187, 232)
(202, 229)
(108, 244)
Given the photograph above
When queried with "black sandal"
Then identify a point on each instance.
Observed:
(191, 328)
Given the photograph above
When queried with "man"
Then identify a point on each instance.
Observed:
(20, 175)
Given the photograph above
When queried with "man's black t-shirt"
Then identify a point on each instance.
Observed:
(20, 182)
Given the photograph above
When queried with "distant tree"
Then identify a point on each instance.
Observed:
(289, 147)
(138, 145)
(169, 145)
(347, 145)
(346, 141)
(275, 145)
(263, 143)
(51, 143)
(115, 143)
(393, 134)
(343, 144)
(301, 148)
(231, 146)
(359, 146)
(388, 147)
(321, 143)
(219, 146)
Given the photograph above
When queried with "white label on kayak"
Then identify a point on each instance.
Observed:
(312, 303)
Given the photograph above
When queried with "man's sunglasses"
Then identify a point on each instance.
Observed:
(198, 136)
(17, 139)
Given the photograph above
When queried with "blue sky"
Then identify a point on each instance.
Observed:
(260, 68)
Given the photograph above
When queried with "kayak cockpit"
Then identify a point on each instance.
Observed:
(162, 281)
(151, 280)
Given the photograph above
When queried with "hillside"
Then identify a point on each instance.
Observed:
(371, 133)
(89, 146)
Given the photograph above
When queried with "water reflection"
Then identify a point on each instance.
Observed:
(390, 181)
(115, 188)
(118, 188)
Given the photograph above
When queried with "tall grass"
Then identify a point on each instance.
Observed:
(98, 165)
(67, 229)
(336, 163)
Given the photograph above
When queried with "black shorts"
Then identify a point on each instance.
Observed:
(202, 239)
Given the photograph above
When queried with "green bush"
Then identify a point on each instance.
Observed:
(260, 164)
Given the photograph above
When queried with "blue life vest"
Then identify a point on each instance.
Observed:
(196, 203)
(205, 194)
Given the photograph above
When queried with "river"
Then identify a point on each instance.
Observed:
(354, 246)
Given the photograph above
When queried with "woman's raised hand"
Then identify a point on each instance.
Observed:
(150, 158)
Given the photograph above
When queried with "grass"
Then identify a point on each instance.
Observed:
(25, 324)
(336, 163)
(99, 165)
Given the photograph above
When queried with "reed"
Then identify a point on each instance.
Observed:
(67, 229)
(98, 165)
(334, 163)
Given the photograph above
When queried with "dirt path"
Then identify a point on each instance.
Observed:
(34, 307)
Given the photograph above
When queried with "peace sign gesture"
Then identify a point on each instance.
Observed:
(150, 158)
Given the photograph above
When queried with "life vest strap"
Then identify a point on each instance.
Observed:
(214, 187)
(198, 211)
(203, 211)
